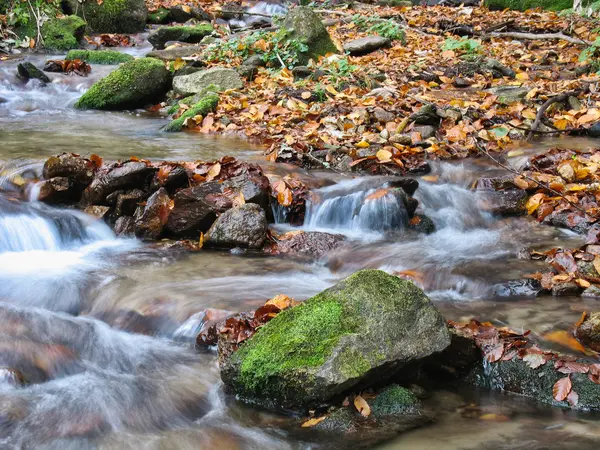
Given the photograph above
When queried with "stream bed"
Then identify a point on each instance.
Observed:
(105, 325)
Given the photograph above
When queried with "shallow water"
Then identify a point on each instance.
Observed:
(104, 326)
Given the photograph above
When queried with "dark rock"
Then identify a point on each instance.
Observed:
(180, 14)
(411, 206)
(462, 83)
(77, 168)
(588, 332)
(312, 244)
(594, 130)
(173, 54)
(302, 72)
(254, 61)
(175, 179)
(253, 186)
(366, 45)
(155, 216)
(505, 202)
(27, 71)
(497, 69)
(426, 131)
(566, 219)
(129, 175)
(195, 209)
(110, 16)
(59, 190)
(565, 288)
(496, 183)
(383, 116)
(192, 35)
(3, 100)
(244, 226)
(124, 226)
(100, 212)
(408, 185)
(127, 202)
(427, 115)
(364, 329)
(422, 224)
(518, 288)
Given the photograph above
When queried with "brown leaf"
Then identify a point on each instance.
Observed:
(282, 301)
(362, 406)
(214, 172)
(314, 421)
(562, 389)
(495, 353)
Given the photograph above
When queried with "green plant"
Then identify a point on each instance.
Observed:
(467, 46)
(590, 54)
(383, 27)
(339, 71)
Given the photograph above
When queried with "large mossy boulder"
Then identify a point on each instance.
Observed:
(305, 26)
(133, 85)
(63, 33)
(192, 35)
(110, 16)
(362, 330)
(523, 5)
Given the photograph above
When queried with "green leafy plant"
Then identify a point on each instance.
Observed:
(590, 55)
(383, 27)
(339, 71)
(468, 46)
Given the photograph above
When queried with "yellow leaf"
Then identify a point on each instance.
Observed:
(362, 406)
(529, 114)
(384, 155)
(522, 76)
(597, 263)
(362, 144)
(201, 240)
(214, 172)
(178, 64)
(561, 124)
(306, 95)
(186, 8)
(239, 200)
(314, 421)
(534, 202)
(331, 90)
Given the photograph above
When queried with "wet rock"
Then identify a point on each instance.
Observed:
(129, 175)
(127, 202)
(11, 377)
(422, 224)
(312, 244)
(222, 78)
(253, 186)
(63, 33)
(172, 54)
(304, 25)
(192, 35)
(71, 166)
(408, 185)
(566, 219)
(203, 326)
(565, 289)
(506, 202)
(518, 288)
(153, 219)
(176, 178)
(110, 16)
(496, 183)
(59, 190)
(133, 85)
(195, 209)
(3, 100)
(592, 292)
(100, 212)
(244, 226)
(594, 130)
(124, 226)
(183, 13)
(27, 71)
(365, 45)
(588, 332)
(366, 327)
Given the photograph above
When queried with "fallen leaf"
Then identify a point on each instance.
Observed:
(362, 406)
(384, 155)
(562, 388)
(314, 421)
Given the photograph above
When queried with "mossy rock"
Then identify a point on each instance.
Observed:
(111, 16)
(523, 5)
(133, 85)
(304, 25)
(63, 33)
(202, 108)
(370, 324)
(160, 16)
(100, 56)
(395, 400)
(191, 35)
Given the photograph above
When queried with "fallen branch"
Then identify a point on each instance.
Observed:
(556, 99)
(540, 184)
(534, 36)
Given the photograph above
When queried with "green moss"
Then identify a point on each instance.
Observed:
(112, 16)
(63, 33)
(203, 107)
(522, 5)
(100, 56)
(302, 338)
(132, 85)
(161, 15)
(394, 400)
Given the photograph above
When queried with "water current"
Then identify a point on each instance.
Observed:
(103, 327)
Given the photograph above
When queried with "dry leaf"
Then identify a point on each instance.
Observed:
(562, 389)
(362, 406)
(314, 421)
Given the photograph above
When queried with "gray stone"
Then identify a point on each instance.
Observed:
(366, 45)
(509, 94)
(27, 71)
(244, 226)
(172, 54)
(426, 131)
(402, 139)
(304, 25)
(223, 78)
(369, 325)
(383, 116)
(311, 244)
(193, 34)
(129, 175)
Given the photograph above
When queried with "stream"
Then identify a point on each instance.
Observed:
(104, 327)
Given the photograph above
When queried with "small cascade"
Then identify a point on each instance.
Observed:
(357, 206)
(264, 8)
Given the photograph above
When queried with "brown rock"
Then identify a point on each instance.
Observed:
(151, 223)
(588, 332)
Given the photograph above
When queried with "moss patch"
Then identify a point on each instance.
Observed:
(112, 16)
(100, 56)
(203, 107)
(132, 85)
(63, 33)
(161, 15)
(522, 5)
(394, 400)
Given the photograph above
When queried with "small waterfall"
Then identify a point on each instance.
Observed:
(266, 8)
(357, 206)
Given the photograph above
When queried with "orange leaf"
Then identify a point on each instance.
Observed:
(314, 421)
(377, 194)
(214, 172)
(362, 406)
(562, 388)
(563, 338)
(384, 155)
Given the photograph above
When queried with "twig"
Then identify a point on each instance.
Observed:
(540, 184)
(556, 99)
(324, 164)
(534, 36)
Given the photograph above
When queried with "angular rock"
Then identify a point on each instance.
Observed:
(130, 175)
(364, 329)
(27, 71)
(191, 35)
(124, 226)
(312, 244)
(110, 16)
(74, 167)
(365, 45)
(172, 54)
(59, 190)
(588, 332)
(506, 202)
(99, 212)
(183, 13)
(133, 85)
(244, 226)
(195, 83)
(304, 25)
(194, 212)
(155, 216)
(126, 202)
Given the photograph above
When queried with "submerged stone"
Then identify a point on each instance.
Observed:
(367, 327)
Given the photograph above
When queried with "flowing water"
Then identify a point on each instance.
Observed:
(103, 327)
